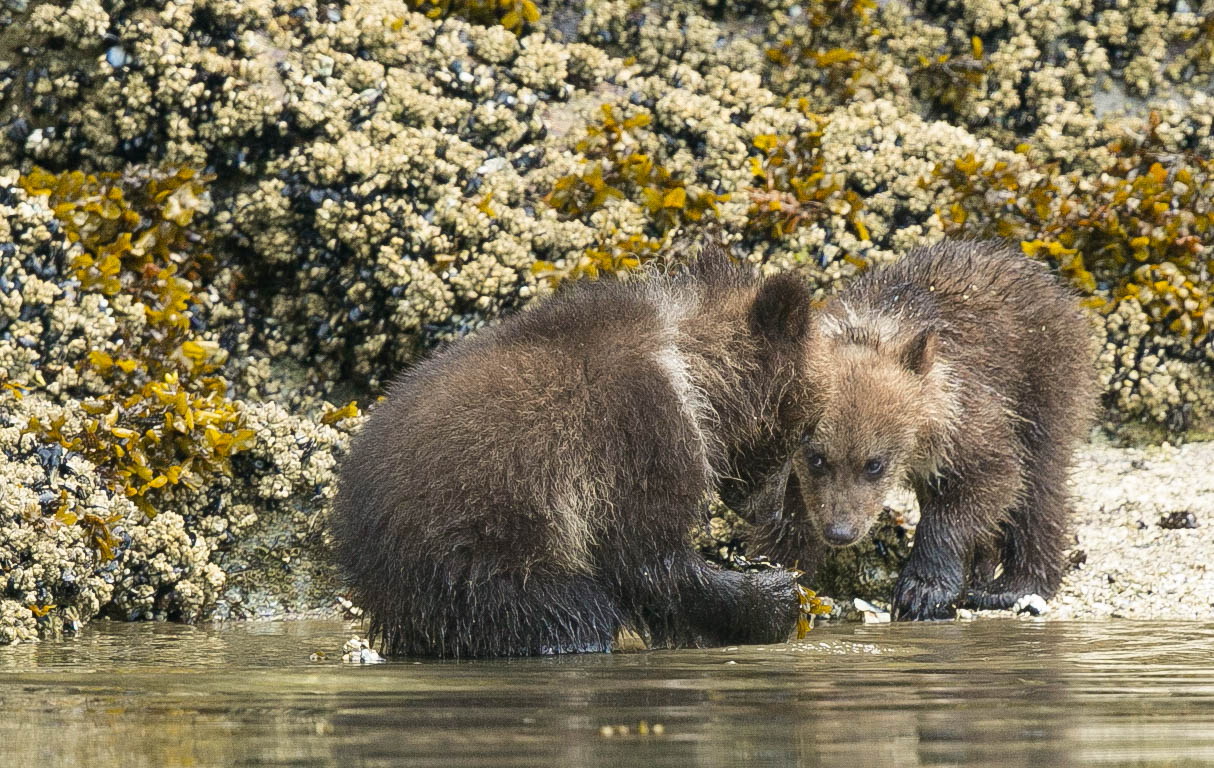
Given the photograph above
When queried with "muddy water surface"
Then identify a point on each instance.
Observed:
(989, 693)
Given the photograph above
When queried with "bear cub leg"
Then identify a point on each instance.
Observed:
(958, 513)
(685, 601)
(1032, 541)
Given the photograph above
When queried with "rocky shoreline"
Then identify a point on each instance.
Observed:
(1142, 546)
(1145, 549)
(224, 225)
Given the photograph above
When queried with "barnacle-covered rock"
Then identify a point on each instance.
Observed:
(387, 163)
(126, 485)
(17, 623)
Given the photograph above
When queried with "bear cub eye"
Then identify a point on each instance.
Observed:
(816, 462)
(874, 468)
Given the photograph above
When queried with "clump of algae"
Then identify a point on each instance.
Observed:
(514, 15)
(822, 52)
(947, 80)
(1141, 228)
(792, 186)
(811, 605)
(157, 412)
(613, 169)
(789, 187)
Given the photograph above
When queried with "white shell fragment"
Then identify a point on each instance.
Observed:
(1033, 605)
(358, 651)
(871, 613)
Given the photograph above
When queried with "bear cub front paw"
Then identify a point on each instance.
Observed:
(923, 598)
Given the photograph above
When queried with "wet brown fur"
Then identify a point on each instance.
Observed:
(530, 489)
(967, 369)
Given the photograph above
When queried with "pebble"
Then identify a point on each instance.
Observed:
(493, 165)
(323, 66)
(358, 650)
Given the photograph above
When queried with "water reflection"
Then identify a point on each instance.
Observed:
(987, 693)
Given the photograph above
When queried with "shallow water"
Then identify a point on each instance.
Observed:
(991, 692)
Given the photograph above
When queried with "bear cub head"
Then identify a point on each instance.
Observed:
(866, 433)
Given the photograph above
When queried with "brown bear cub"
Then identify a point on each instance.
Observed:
(967, 369)
(531, 489)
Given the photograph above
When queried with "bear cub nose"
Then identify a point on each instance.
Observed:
(840, 533)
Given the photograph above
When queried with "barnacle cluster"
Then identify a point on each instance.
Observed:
(1197, 59)
(1138, 233)
(121, 447)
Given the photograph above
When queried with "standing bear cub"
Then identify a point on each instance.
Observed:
(531, 489)
(967, 369)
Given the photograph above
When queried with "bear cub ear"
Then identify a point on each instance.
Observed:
(781, 310)
(713, 264)
(920, 353)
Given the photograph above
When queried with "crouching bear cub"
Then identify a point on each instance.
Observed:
(967, 369)
(530, 489)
